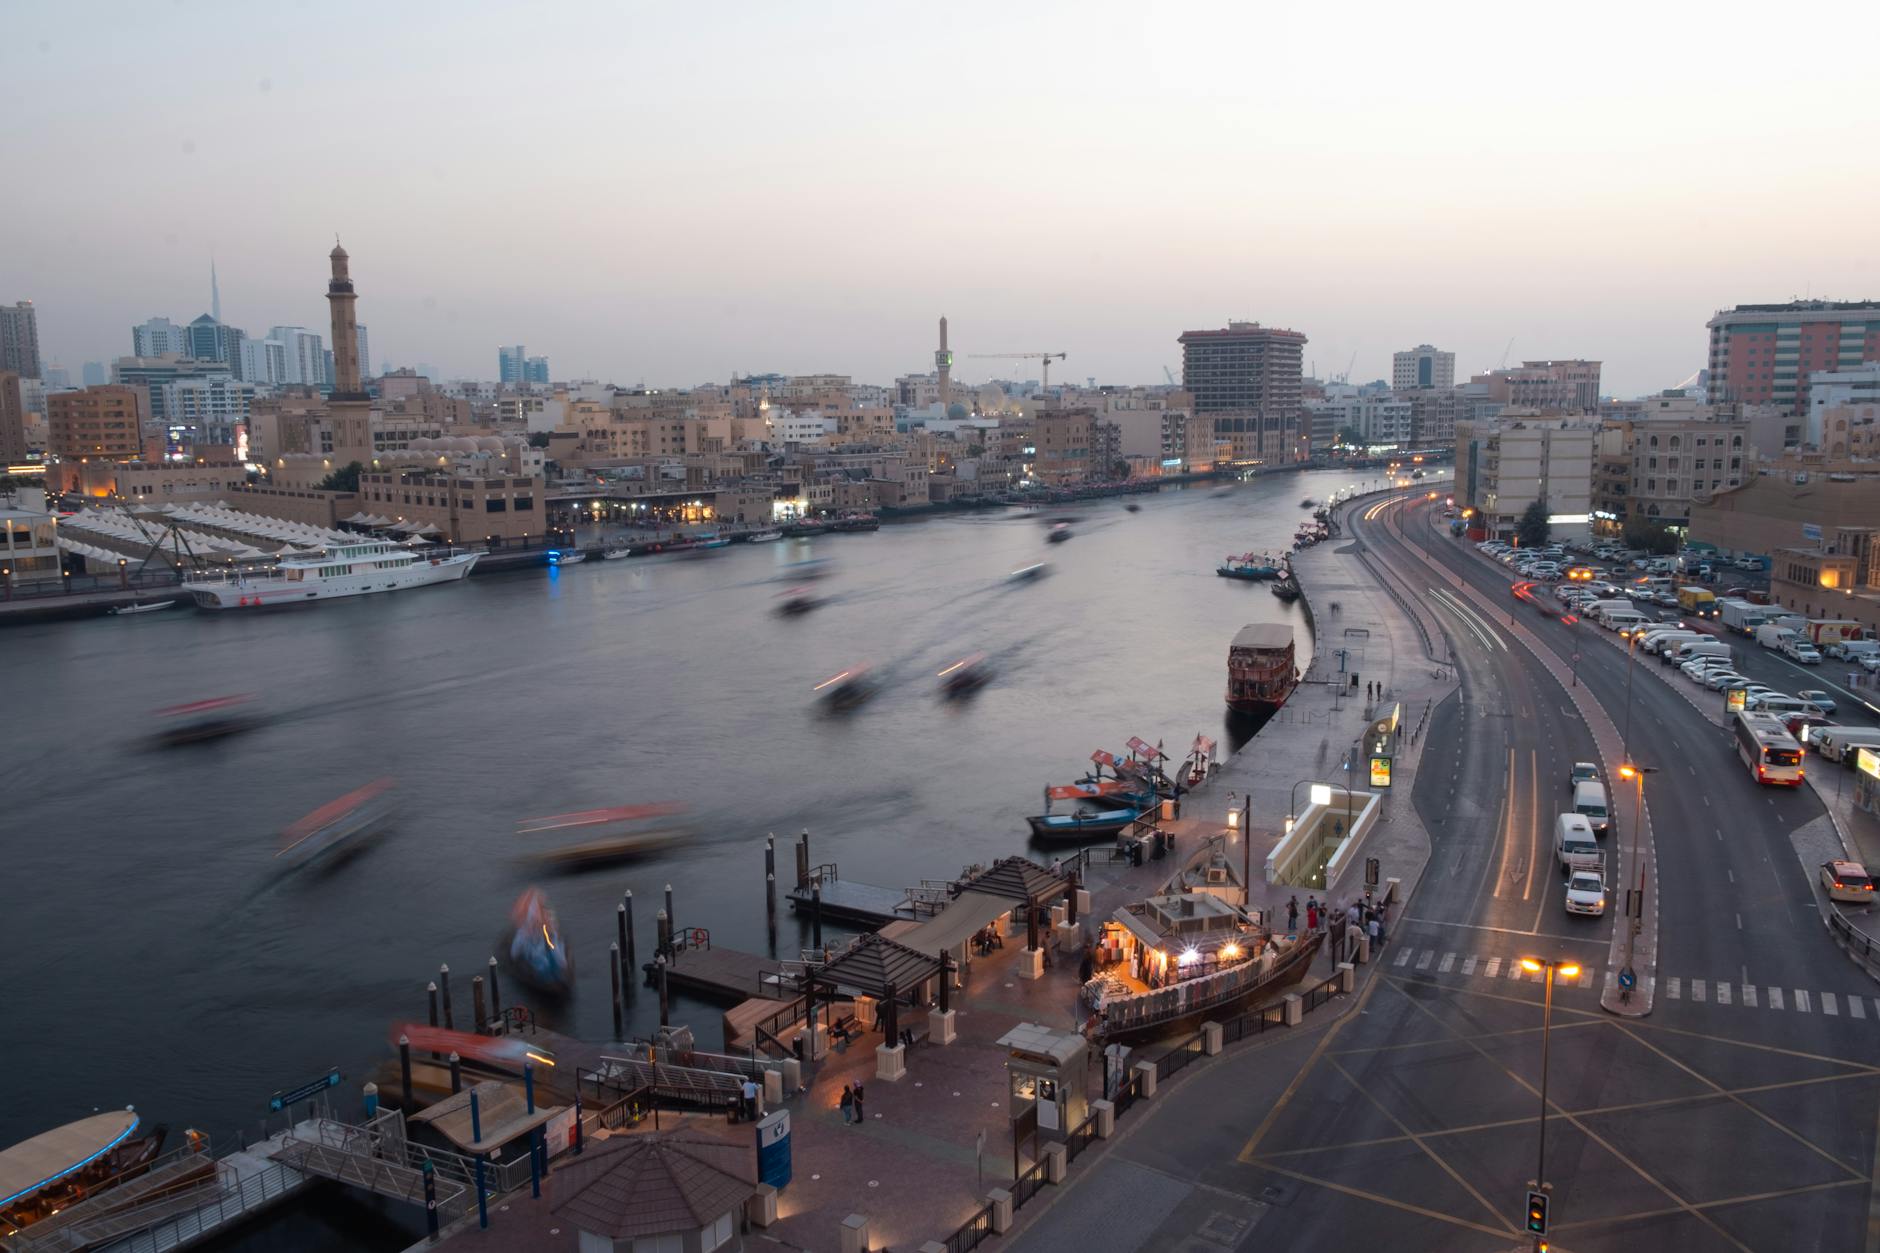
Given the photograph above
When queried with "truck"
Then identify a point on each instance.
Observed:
(1741, 615)
(1769, 635)
(1825, 631)
(1699, 602)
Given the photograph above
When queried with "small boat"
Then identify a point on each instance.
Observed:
(808, 568)
(57, 1169)
(857, 522)
(1133, 507)
(153, 607)
(341, 827)
(535, 948)
(616, 554)
(1082, 826)
(568, 557)
(764, 536)
(1059, 532)
(203, 720)
(965, 676)
(1308, 503)
(1250, 567)
(847, 690)
(607, 849)
(1286, 590)
(1025, 574)
(501, 1052)
(798, 601)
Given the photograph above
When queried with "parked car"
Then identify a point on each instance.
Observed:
(1847, 881)
(1815, 696)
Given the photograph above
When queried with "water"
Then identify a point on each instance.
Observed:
(156, 954)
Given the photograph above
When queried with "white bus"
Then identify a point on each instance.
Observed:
(1767, 748)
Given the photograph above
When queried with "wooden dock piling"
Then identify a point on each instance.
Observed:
(614, 971)
(443, 981)
(627, 948)
(478, 1008)
(496, 995)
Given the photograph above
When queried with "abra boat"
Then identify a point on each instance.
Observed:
(1082, 826)
(566, 557)
(1249, 566)
(1261, 673)
(847, 690)
(797, 601)
(56, 1169)
(342, 570)
(339, 827)
(965, 676)
(535, 948)
(202, 720)
(1058, 533)
(153, 607)
(764, 536)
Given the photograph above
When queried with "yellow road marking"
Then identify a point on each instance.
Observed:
(1381, 1199)
(1312, 1062)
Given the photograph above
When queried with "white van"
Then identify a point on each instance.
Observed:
(1787, 707)
(1589, 801)
(1624, 619)
(1836, 743)
(1701, 648)
(1598, 610)
(1575, 846)
(1670, 641)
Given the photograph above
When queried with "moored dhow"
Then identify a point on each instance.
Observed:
(369, 566)
(1261, 673)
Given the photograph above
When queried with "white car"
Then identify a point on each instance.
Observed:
(1806, 654)
(1586, 893)
(1717, 680)
(1815, 696)
(1870, 663)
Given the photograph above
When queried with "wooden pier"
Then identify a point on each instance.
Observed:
(866, 905)
(720, 974)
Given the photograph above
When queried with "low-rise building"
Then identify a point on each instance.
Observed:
(29, 543)
(102, 422)
(464, 509)
(1794, 501)
(1505, 465)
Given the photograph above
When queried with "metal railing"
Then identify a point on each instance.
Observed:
(1081, 1137)
(1028, 1184)
(1860, 946)
(178, 1219)
(1321, 994)
(1172, 1061)
(971, 1233)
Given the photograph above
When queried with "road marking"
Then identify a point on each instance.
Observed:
(1855, 1009)
(1739, 917)
(1423, 962)
(1586, 976)
(1403, 958)
(1673, 988)
(1723, 992)
(1749, 996)
(1493, 968)
(1443, 967)
(1298, 1080)
(1775, 998)
(1468, 964)
(1801, 1001)
(1697, 989)
(1829, 1005)
(1516, 972)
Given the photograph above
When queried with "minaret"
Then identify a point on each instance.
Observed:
(340, 297)
(943, 363)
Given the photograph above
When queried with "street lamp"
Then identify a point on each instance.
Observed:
(1566, 970)
(1240, 818)
(1635, 905)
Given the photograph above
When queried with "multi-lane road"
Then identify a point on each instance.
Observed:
(1740, 1113)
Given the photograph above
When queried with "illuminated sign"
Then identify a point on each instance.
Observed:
(1380, 771)
(1867, 762)
(1734, 698)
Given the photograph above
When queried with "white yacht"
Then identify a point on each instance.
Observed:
(371, 565)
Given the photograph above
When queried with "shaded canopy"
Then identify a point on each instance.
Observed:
(873, 965)
(654, 1185)
(1017, 879)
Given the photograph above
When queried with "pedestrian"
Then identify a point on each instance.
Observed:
(1312, 915)
(848, 1103)
(1352, 913)
(750, 1099)
(907, 1037)
(1376, 929)
(1292, 914)
(859, 1115)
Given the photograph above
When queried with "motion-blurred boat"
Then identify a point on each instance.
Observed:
(1059, 532)
(797, 601)
(537, 953)
(566, 557)
(1025, 574)
(1133, 507)
(152, 607)
(202, 720)
(339, 827)
(810, 568)
(609, 834)
(966, 675)
(848, 689)
(495, 1051)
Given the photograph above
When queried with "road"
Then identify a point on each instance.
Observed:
(1740, 1114)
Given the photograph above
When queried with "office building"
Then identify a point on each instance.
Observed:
(535, 371)
(1507, 463)
(19, 339)
(210, 340)
(304, 356)
(1247, 378)
(200, 411)
(1569, 386)
(1422, 366)
(1379, 419)
(1765, 354)
(94, 373)
(1857, 388)
(150, 374)
(12, 421)
(159, 337)
(264, 362)
(102, 422)
(512, 365)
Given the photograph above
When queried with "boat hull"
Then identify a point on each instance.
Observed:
(1086, 827)
(1289, 970)
(268, 593)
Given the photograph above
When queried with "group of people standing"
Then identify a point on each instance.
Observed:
(1367, 916)
(851, 1103)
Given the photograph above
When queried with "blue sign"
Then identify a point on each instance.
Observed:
(1627, 979)
(1811, 531)
(305, 1092)
(773, 1149)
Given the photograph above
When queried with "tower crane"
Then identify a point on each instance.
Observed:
(1046, 357)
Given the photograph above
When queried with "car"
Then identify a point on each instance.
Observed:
(1582, 772)
(1800, 726)
(1717, 680)
(1586, 893)
(1847, 881)
(1815, 696)
(1759, 698)
(1806, 654)
(1870, 664)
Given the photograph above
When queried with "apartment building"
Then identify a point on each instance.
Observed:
(1509, 462)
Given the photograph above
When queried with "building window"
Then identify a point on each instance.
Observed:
(525, 504)
(495, 504)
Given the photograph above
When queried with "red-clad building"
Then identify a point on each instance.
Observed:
(1764, 354)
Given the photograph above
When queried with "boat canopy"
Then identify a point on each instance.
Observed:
(1143, 749)
(51, 1155)
(1264, 635)
(1083, 791)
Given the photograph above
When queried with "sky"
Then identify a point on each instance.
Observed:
(670, 193)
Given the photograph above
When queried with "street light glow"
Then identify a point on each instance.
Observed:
(1568, 971)
(1530, 965)
(1628, 771)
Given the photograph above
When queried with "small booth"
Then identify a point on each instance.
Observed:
(1046, 1071)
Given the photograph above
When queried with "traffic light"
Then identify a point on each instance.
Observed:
(1537, 1213)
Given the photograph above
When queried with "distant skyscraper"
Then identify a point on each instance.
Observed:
(512, 364)
(1763, 354)
(12, 420)
(95, 373)
(58, 378)
(365, 355)
(1422, 366)
(305, 355)
(19, 339)
(264, 361)
(210, 340)
(159, 337)
(1248, 379)
(535, 370)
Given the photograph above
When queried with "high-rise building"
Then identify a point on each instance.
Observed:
(512, 364)
(103, 422)
(58, 378)
(304, 355)
(201, 411)
(210, 340)
(159, 337)
(19, 339)
(535, 370)
(94, 373)
(1764, 354)
(1567, 386)
(1422, 366)
(12, 421)
(149, 375)
(1247, 377)
(365, 354)
(264, 362)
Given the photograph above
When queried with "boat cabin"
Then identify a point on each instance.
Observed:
(1164, 940)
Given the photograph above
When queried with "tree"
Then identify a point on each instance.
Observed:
(1351, 437)
(538, 439)
(1533, 529)
(1652, 537)
(344, 479)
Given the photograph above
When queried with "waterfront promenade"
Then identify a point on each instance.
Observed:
(932, 1144)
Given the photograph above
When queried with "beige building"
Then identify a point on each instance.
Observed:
(1795, 501)
(212, 475)
(1837, 580)
(1546, 386)
(12, 421)
(29, 543)
(102, 421)
(1065, 442)
(465, 510)
(1505, 465)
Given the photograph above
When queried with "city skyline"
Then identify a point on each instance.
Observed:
(1060, 187)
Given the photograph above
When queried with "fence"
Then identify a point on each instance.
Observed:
(973, 1232)
(1080, 1138)
(1172, 1061)
(1860, 946)
(1026, 1186)
(1321, 994)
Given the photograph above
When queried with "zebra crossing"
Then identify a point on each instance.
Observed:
(1410, 959)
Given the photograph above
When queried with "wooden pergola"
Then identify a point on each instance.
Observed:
(1026, 882)
(881, 969)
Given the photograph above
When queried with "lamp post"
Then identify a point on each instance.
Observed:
(1566, 970)
(1631, 650)
(1635, 912)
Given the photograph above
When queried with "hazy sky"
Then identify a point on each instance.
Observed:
(672, 192)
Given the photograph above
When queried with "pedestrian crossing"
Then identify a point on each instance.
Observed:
(1411, 959)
